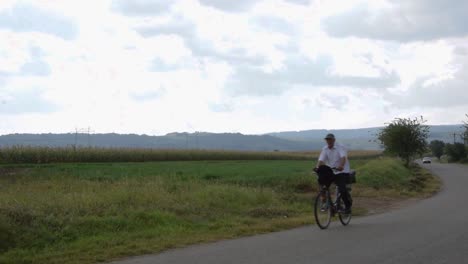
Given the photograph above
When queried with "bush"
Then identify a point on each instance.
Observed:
(437, 148)
(405, 138)
(456, 152)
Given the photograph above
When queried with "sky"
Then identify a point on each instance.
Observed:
(249, 66)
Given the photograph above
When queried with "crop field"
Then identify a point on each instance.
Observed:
(39, 155)
(93, 212)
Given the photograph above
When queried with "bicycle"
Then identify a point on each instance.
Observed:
(326, 209)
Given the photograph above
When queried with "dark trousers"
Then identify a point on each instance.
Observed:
(327, 177)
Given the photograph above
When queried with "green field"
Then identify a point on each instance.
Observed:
(91, 212)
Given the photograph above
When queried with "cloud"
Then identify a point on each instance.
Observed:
(449, 93)
(434, 92)
(159, 65)
(3, 78)
(404, 21)
(299, 70)
(221, 107)
(25, 101)
(306, 102)
(35, 68)
(337, 102)
(461, 51)
(141, 7)
(299, 2)
(229, 5)
(274, 24)
(181, 28)
(201, 48)
(243, 57)
(25, 18)
(148, 95)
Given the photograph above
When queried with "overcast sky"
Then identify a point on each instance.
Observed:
(153, 67)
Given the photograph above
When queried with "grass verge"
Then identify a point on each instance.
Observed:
(93, 212)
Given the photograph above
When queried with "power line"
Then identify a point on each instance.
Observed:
(86, 131)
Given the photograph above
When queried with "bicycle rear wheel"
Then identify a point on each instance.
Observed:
(345, 219)
(322, 211)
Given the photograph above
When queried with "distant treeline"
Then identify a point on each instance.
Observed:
(40, 155)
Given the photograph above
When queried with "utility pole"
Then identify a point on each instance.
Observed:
(76, 138)
(454, 137)
(464, 134)
(464, 138)
(87, 131)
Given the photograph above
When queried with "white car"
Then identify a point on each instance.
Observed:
(427, 160)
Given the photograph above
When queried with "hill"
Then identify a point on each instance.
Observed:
(362, 138)
(227, 141)
(356, 139)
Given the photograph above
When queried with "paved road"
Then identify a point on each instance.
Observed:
(430, 231)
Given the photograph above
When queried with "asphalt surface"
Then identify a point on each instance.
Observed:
(434, 230)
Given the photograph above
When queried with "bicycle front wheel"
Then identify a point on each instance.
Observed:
(322, 211)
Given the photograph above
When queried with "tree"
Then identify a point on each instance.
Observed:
(465, 134)
(437, 148)
(456, 152)
(405, 138)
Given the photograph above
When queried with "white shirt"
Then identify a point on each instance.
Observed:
(331, 157)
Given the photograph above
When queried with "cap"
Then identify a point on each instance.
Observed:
(330, 136)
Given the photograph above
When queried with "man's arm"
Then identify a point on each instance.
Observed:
(321, 159)
(343, 156)
(342, 164)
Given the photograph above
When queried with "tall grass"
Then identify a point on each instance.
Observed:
(39, 155)
(384, 173)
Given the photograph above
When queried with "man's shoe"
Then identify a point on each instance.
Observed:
(324, 206)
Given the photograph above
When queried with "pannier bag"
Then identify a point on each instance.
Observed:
(350, 180)
(352, 177)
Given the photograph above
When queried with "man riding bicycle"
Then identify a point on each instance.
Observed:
(333, 166)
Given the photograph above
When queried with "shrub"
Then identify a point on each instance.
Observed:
(437, 148)
(456, 152)
(405, 138)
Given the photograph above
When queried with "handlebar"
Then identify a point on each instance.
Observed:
(333, 168)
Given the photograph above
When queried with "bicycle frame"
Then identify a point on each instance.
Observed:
(331, 207)
(334, 203)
